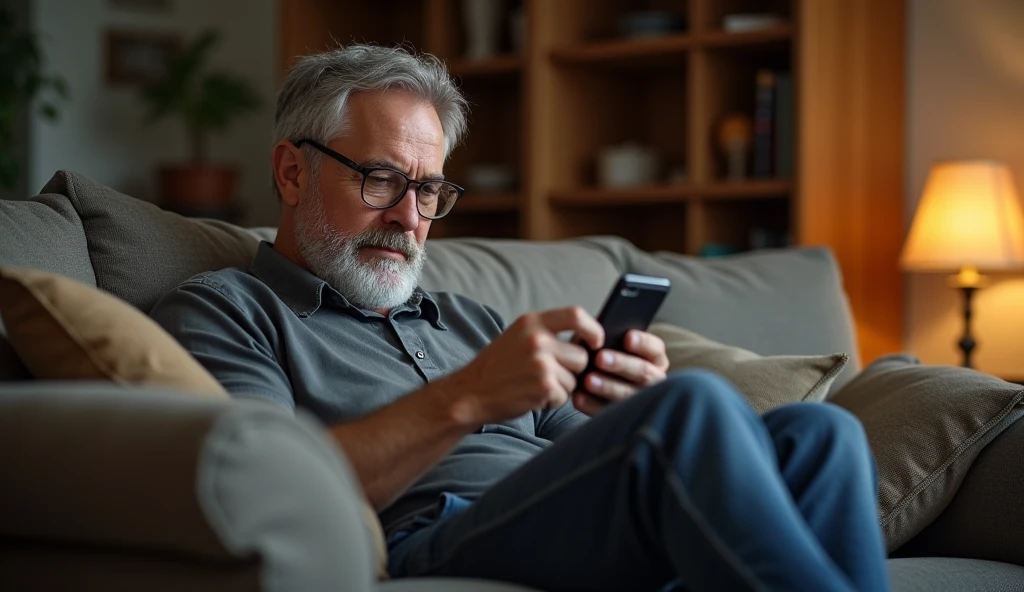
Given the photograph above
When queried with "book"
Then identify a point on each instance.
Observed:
(764, 119)
(783, 127)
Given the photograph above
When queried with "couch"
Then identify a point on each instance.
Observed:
(122, 488)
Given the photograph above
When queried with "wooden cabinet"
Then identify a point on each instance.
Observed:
(578, 86)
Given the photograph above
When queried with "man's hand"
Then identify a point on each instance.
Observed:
(623, 374)
(526, 368)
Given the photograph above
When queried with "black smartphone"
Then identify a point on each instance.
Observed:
(632, 304)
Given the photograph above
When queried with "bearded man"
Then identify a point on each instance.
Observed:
(471, 437)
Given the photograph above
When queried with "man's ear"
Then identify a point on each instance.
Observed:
(290, 172)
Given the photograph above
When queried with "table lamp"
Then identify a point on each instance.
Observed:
(969, 219)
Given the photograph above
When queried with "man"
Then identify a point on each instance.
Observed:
(472, 438)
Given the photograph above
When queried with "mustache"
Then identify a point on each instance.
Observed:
(387, 239)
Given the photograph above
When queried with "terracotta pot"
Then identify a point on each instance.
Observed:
(198, 186)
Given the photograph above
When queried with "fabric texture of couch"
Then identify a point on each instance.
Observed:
(109, 490)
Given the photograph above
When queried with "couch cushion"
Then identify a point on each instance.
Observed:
(942, 574)
(66, 330)
(773, 302)
(985, 520)
(926, 425)
(514, 277)
(139, 251)
(766, 382)
(44, 233)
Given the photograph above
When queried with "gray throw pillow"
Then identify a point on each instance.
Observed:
(926, 425)
(767, 382)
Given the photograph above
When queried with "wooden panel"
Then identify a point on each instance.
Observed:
(851, 142)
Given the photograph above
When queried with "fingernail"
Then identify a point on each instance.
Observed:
(595, 382)
(607, 358)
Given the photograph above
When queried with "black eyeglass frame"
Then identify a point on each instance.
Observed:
(366, 171)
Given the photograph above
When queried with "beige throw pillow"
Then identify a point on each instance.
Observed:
(767, 382)
(64, 329)
(926, 425)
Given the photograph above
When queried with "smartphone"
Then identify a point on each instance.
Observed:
(632, 304)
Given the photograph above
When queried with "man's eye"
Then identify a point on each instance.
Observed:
(380, 180)
(430, 189)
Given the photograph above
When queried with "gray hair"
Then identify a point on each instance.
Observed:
(312, 101)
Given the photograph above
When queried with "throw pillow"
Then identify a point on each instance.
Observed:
(64, 329)
(926, 425)
(767, 382)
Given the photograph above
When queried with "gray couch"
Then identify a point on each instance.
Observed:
(113, 488)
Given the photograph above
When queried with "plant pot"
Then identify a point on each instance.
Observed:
(199, 189)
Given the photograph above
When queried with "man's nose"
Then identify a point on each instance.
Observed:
(404, 213)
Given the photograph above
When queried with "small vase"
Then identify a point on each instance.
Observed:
(482, 20)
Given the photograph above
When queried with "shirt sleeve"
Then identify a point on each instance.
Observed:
(226, 340)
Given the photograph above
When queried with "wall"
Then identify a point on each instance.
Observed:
(102, 134)
(19, 11)
(965, 100)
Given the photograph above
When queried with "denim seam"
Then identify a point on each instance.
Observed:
(679, 490)
(526, 505)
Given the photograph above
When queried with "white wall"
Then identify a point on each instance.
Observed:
(102, 132)
(965, 100)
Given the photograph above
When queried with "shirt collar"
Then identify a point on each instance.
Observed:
(304, 293)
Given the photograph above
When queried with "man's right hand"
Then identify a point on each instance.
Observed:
(526, 368)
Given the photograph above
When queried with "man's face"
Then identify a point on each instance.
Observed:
(373, 257)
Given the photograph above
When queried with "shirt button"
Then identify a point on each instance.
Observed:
(420, 355)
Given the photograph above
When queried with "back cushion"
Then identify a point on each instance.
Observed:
(514, 277)
(773, 302)
(139, 251)
(46, 233)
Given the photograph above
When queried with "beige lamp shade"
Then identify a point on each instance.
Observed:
(969, 215)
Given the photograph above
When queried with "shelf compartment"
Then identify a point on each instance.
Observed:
(504, 65)
(626, 51)
(656, 194)
(752, 39)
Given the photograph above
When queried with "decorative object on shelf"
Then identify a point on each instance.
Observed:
(742, 23)
(490, 178)
(650, 23)
(140, 57)
(735, 134)
(207, 102)
(969, 218)
(24, 83)
(627, 165)
(482, 22)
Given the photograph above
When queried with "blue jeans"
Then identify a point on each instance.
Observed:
(683, 485)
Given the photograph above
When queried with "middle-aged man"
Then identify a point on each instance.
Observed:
(472, 438)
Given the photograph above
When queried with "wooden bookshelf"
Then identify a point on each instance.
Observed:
(579, 86)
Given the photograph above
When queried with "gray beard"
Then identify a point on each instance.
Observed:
(334, 257)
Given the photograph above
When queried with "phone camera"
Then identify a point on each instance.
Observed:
(629, 292)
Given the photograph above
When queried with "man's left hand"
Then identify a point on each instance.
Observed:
(622, 374)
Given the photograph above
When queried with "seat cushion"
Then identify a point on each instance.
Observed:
(949, 574)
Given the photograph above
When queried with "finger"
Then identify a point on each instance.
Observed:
(571, 356)
(628, 367)
(588, 404)
(608, 387)
(566, 380)
(647, 346)
(577, 320)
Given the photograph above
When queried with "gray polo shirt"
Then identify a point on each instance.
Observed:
(280, 333)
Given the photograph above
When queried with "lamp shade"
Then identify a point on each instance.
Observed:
(969, 215)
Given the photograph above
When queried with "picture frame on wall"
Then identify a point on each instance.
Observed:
(136, 57)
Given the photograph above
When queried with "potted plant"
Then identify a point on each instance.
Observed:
(207, 102)
(22, 80)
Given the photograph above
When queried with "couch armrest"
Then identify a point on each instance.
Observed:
(985, 520)
(150, 470)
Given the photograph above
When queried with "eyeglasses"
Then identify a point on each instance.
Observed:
(384, 187)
